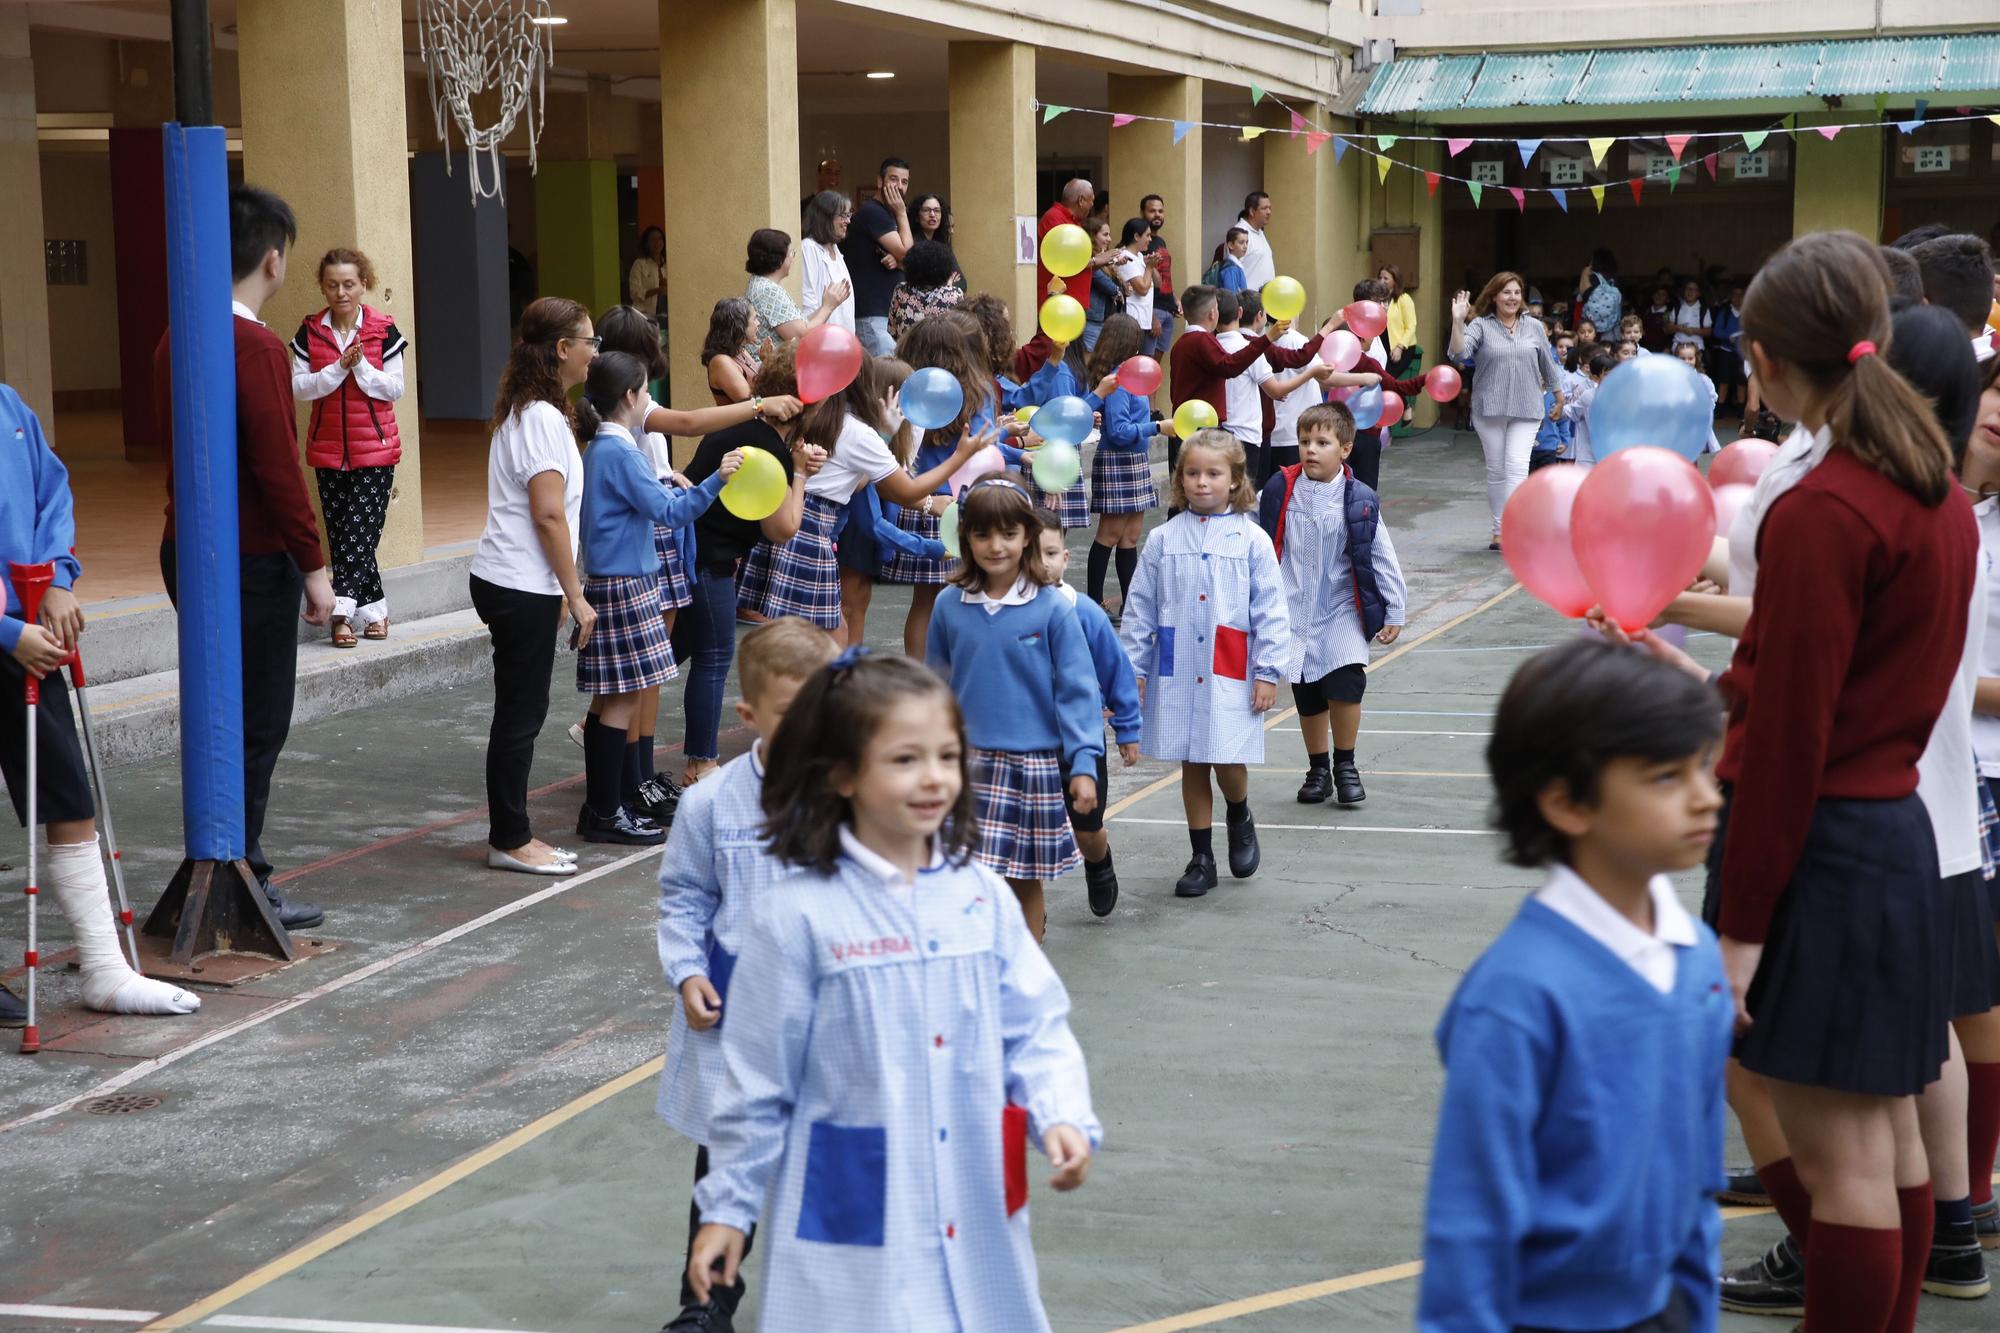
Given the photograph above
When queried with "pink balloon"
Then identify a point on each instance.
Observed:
(828, 359)
(1340, 393)
(1341, 351)
(1139, 375)
(1366, 318)
(1442, 383)
(1392, 409)
(982, 464)
(1741, 463)
(1537, 527)
(1728, 502)
(1642, 529)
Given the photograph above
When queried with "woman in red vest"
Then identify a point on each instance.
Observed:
(347, 361)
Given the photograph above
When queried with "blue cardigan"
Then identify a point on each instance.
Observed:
(1023, 676)
(622, 500)
(1117, 687)
(1128, 420)
(867, 523)
(37, 518)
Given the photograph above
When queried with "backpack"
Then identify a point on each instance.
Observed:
(1212, 275)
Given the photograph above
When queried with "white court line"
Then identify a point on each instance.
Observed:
(148, 1067)
(340, 1325)
(1327, 828)
(1423, 712)
(78, 1314)
(1406, 733)
(1490, 648)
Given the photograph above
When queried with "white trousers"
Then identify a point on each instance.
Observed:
(1507, 442)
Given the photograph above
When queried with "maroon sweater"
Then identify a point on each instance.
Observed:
(1854, 637)
(1200, 368)
(274, 516)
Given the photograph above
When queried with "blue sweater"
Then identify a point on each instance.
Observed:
(867, 524)
(622, 500)
(1023, 676)
(37, 521)
(1117, 687)
(1579, 1143)
(930, 454)
(1054, 380)
(1128, 420)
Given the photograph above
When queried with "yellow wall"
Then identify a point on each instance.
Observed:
(1837, 183)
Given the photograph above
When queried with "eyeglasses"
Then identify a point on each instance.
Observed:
(594, 341)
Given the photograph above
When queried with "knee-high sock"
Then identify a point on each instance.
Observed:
(603, 767)
(1788, 1195)
(76, 881)
(1128, 565)
(1851, 1275)
(1100, 561)
(1918, 1224)
(1982, 1105)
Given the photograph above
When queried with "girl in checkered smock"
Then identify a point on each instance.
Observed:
(895, 1036)
(1206, 628)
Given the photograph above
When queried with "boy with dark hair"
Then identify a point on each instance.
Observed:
(1201, 367)
(1584, 1051)
(1958, 277)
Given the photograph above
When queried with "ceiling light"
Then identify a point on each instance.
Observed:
(548, 20)
(881, 73)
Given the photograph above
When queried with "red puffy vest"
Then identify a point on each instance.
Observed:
(349, 429)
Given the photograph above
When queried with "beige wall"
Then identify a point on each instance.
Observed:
(862, 141)
(83, 321)
(1474, 24)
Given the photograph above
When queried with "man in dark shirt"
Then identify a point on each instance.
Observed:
(1165, 305)
(826, 177)
(877, 240)
(278, 549)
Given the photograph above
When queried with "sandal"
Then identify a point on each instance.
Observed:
(377, 632)
(343, 632)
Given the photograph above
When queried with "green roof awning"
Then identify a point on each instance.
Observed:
(1898, 66)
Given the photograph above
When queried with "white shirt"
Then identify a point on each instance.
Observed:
(1689, 312)
(1130, 268)
(1652, 954)
(859, 458)
(1285, 412)
(536, 439)
(879, 866)
(1985, 726)
(659, 450)
(309, 385)
(1258, 266)
(1982, 346)
(818, 271)
(1240, 395)
(1020, 594)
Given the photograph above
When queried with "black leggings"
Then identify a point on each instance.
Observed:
(728, 1297)
(523, 626)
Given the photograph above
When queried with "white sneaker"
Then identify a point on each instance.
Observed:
(576, 734)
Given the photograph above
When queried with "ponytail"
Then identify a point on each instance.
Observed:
(613, 377)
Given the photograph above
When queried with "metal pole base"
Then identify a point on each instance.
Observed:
(214, 906)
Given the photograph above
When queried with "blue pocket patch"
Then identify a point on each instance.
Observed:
(1163, 642)
(847, 1184)
(721, 964)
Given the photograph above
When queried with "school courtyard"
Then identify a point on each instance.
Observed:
(446, 1124)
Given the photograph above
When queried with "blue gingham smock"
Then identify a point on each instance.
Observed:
(713, 871)
(1327, 632)
(1206, 617)
(876, 1036)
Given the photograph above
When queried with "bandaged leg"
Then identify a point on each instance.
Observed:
(76, 879)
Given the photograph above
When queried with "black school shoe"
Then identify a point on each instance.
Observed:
(1347, 789)
(1244, 854)
(710, 1318)
(1198, 878)
(1957, 1271)
(1986, 1220)
(1773, 1285)
(1101, 879)
(1745, 1188)
(1317, 786)
(293, 916)
(622, 827)
(657, 799)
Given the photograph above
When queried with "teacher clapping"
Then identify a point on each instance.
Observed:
(1514, 366)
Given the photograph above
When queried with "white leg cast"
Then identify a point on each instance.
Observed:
(76, 880)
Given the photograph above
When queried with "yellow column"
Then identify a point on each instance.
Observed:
(1836, 183)
(324, 127)
(1307, 240)
(993, 169)
(24, 295)
(1146, 160)
(576, 209)
(742, 166)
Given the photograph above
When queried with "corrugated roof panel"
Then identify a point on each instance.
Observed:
(1541, 78)
(1656, 75)
(1732, 72)
(1971, 64)
(1882, 65)
(1424, 83)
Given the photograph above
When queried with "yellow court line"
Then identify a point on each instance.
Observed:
(293, 1260)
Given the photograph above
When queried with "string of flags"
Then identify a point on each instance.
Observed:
(1677, 143)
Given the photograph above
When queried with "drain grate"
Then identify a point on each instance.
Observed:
(122, 1104)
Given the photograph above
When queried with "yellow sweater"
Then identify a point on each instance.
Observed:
(1402, 323)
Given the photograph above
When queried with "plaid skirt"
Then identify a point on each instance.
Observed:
(1071, 507)
(1121, 481)
(628, 650)
(675, 590)
(805, 575)
(1024, 828)
(753, 579)
(902, 568)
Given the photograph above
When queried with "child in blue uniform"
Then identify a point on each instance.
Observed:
(895, 1036)
(1206, 630)
(1343, 588)
(1121, 467)
(1579, 1143)
(1018, 662)
(714, 870)
(1118, 696)
(1054, 380)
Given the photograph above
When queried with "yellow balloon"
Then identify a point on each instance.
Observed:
(1062, 317)
(1025, 414)
(758, 487)
(1066, 250)
(1193, 415)
(1284, 298)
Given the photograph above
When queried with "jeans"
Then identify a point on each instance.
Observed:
(710, 621)
(523, 627)
(1507, 442)
(1157, 345)
(873, 331)
(269, 589)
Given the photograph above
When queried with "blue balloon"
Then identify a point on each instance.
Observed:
(1366, 405)
(932, 398)
(1652, 399)
(1064, 420)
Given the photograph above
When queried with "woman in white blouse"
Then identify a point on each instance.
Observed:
(822, 264)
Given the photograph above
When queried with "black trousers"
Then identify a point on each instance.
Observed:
(727, 1297)
(270, 587)
(523, 628)
(63, 783)
(1366, 460)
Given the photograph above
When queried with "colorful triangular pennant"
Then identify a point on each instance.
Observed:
(1673, 177)
(1431, 183)
(1916, 122)
(1382, 168)
(1314, 140)
(1049, 113)
(1755, 139)
(1120, 122)
(1791, 122)
(1520, 197)
(1562, 199)
(1256, 94)
(1339, 149)
(1597, 193)
(1828, 131)
(1181, 128)
(1298, 122)
(1476, 189)
(1527, 147)
(1251, 132)
(1385, 141)
(1637, 183)
(1676, 142)
(1708, 162)
(1598, 148)
(1457, 146)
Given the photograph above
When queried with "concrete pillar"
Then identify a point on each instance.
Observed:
(1146, 160)
(1310, 239)
(576, 233)
(24, 293)
(742, 166)
(1837, 183)
(461, 264)
(993, 169)
(324, 126)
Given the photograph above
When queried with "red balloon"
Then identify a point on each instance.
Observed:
(1340, 393)
(1741, 463)
(1139, 375)
(1366, 318)
(1729, 501)
(1442, 383)
(1392, 409)
(1537, 527)
(1642, 529)
(828, 359)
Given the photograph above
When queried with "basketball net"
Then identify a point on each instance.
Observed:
(470, 47)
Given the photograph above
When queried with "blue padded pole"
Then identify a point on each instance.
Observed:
(205, 480)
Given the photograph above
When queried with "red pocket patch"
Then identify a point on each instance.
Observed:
(1232, 653)
(1014, 1155)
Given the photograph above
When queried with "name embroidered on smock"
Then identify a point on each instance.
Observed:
(880, 948)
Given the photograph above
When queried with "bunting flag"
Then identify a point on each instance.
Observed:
(1251, 132)
(1298, 122)
(1527, 147)
(1676, 142)
(1120, 122)
(1256, 94)
(1673, 178)
(1476, 190)
(1754, 139)
(1049, 113)
(1339, 149)
(1520, 197)
(1562, 199)
(1709, 163)
(1181, 128)
(1828, 131)
(1791, 122)
(1598, 148)
(1385, 141)
(1916, 122)
(1314, 140)
(1382, 165)
(1597, 193)
(1431, 183)
(1637, 183)
(1458, 146)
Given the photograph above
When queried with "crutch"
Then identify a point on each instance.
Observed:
(102, 787)
(30, 582)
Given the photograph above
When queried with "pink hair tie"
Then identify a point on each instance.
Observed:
(1859, 350)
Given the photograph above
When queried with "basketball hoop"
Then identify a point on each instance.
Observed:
(471, 47)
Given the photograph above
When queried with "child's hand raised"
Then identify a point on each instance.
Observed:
(1069, 1153)
(1262, 695)
(892, 412)
(1083, 795)
(1106, 385)
(703, 1005)
(970, 444)
(716, 1247)
(730, 462)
